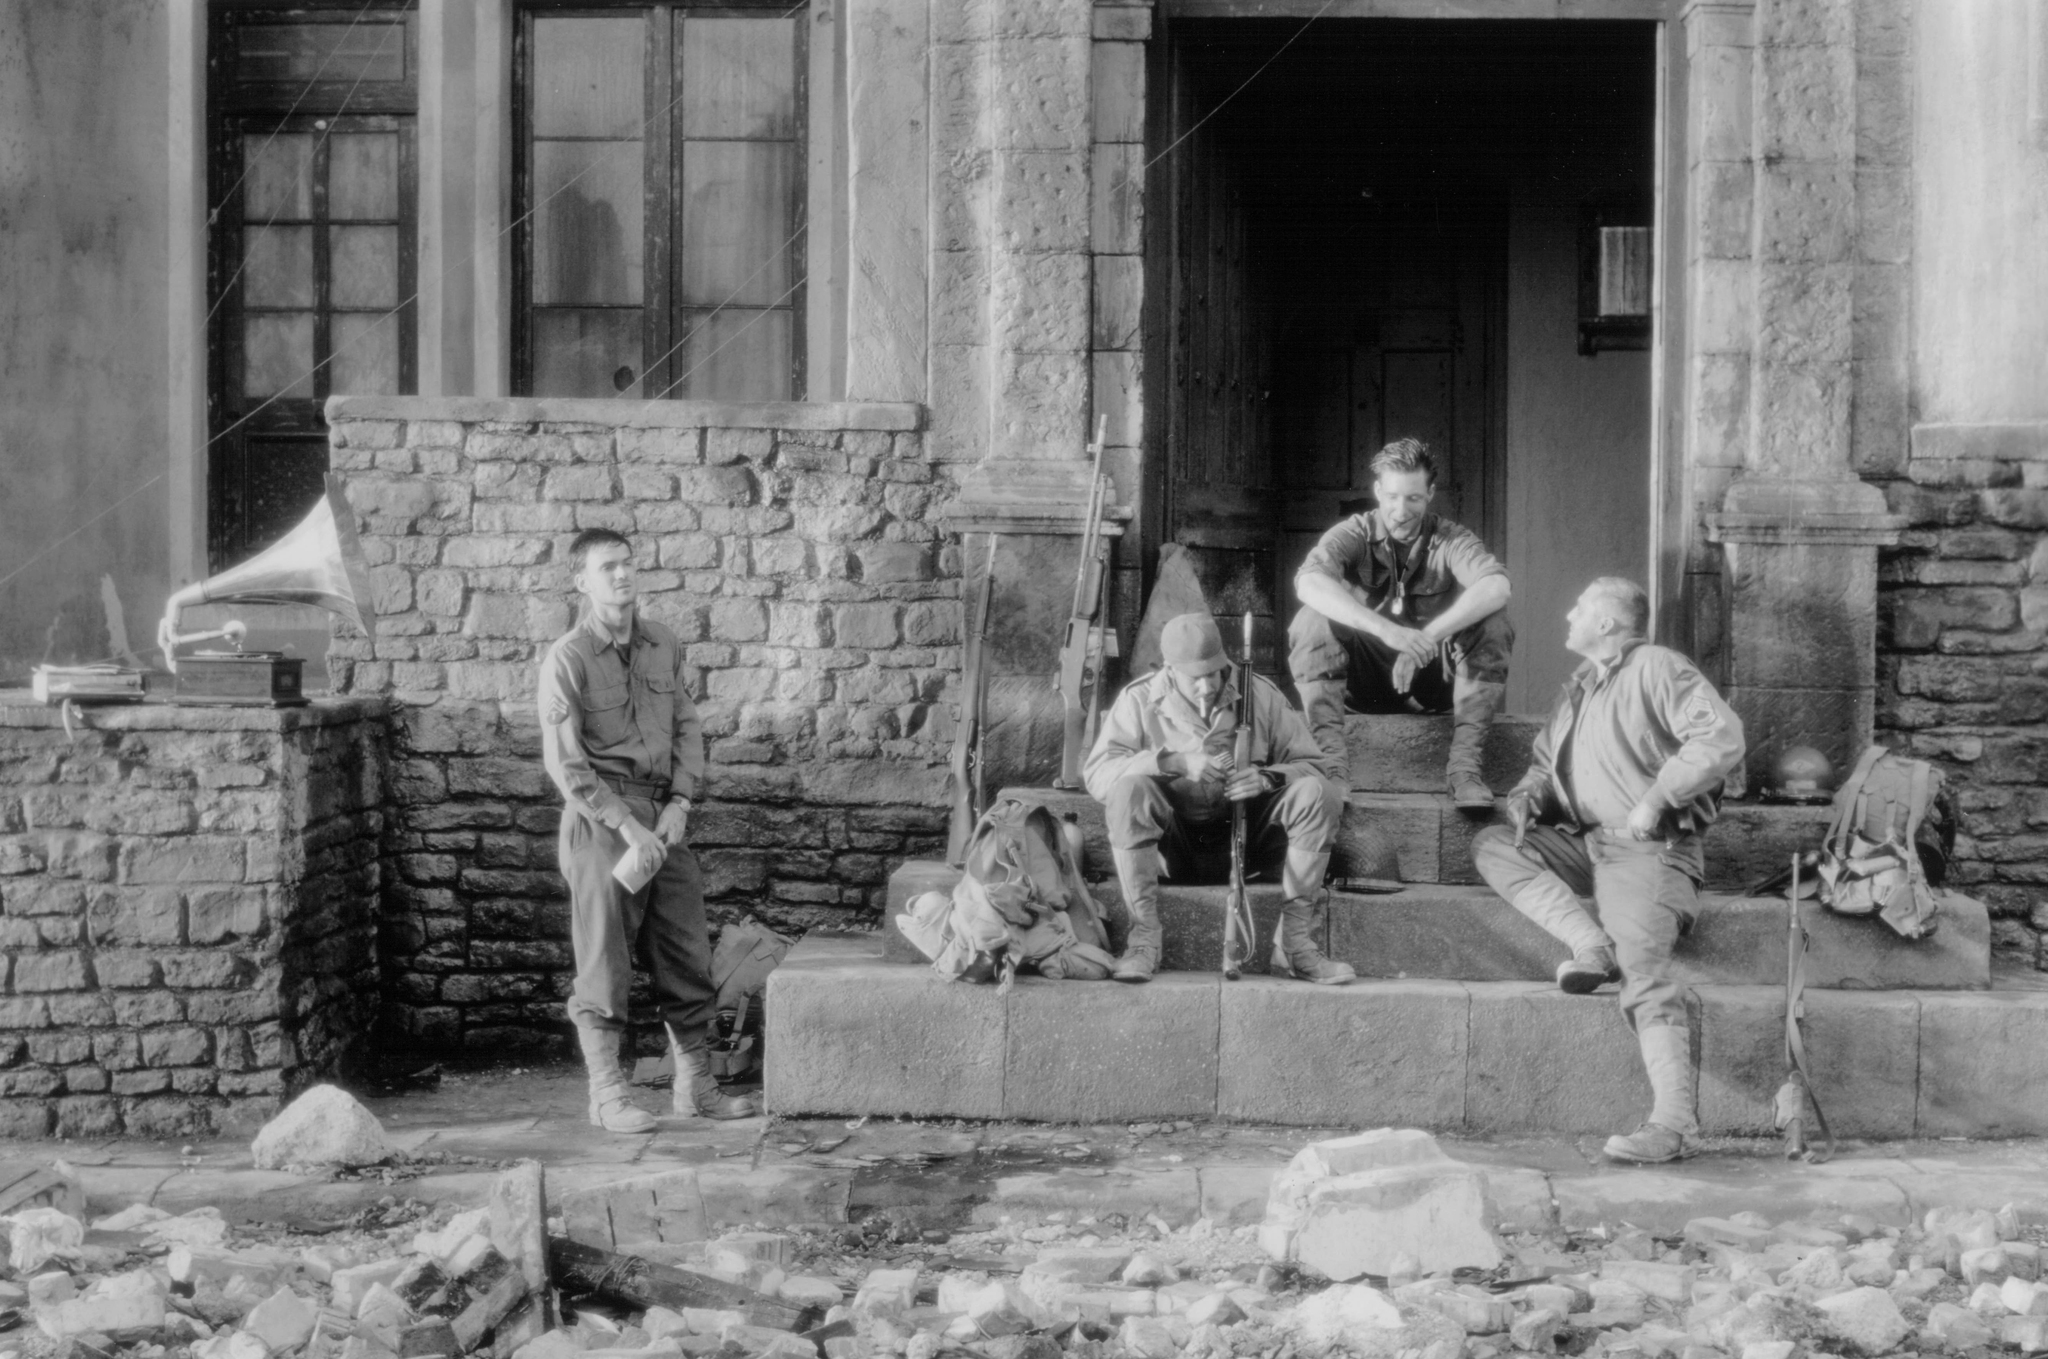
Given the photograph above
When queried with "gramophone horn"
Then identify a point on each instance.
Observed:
(320, 562)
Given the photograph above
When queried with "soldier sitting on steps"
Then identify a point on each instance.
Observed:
(1393, 602)
(1163, 770)
(1622, 783)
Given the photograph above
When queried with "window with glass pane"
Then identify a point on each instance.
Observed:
(312, 243)
(662, 174)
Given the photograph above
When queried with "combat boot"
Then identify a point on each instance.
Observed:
(1302, 916)
(611, 1108)
(1473, 706)
(1138, 872)
(696, 1092)
(1671, 1130)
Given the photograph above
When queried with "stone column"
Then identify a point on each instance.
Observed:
(1800, 531)
(1010, 306)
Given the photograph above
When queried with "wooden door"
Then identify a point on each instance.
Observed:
(1405, 345)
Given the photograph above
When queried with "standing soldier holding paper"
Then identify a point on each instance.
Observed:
(621, 740)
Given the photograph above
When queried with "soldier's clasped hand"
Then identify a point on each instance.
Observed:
(1521, 811)
(1245, 785)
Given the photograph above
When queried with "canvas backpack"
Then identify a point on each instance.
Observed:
(747, 952)
(1888, 846)
(1020, 903)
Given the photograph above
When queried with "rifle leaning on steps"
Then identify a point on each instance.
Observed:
(970, 782)
(1083, 636)
(1239, 929)
(1796, 1094)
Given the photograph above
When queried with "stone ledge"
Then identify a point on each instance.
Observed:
(1473, 1056)
(18, 708)
(895, 416)
(2015, 441)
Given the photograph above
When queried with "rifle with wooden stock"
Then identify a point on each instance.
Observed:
(1082, 638)
(1239, 929)
(970, 784)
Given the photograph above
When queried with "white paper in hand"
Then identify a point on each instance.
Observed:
(630, 874)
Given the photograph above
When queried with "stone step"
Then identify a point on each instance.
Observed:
(1405, 753)
(1469, 934)
(1433, 840)
(849, 1034)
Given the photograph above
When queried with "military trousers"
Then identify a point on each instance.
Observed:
(663, 924)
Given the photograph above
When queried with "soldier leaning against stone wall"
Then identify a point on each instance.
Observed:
(621, 740)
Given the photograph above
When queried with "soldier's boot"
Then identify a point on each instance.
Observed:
(1673, 1125)
(1473, 706)
(1322, 703)
(696, 1093)
(611, 1108)
(1138, 872)
(1546, 900)
(1303, 913)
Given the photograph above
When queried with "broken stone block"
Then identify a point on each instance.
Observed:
(1342, 1316)
(2024, 1297)
(1957, 1328)
(1769, 1349)
(1476, 1314)
(1617, 1302)
(1671, 1283)
(1864, 1319)
(1084, 1265)
(1001, 1308)
(323, 1127)
(765, 1342)
(887, 1291)
(1984, 1264)
(36, 1234)
(1535, 1331)
(52, 1287)
(711, 1320)
(1973, 1228)
(1147, 1338)
(233, 1345)
(555, 1344)
(1809, 1235)
(127, 1308)
(353, 1284)
(1146, 1270)
(807, 1290)
(1218, 1309)
(204, 1228)
(1351, 1205)
(1721, 1231)
(441, 1245)
(768, 1247)
(282, 1320)
(2027, 1334)
(1987, 1300)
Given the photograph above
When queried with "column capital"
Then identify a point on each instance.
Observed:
(1010, 495)
(1842, 512)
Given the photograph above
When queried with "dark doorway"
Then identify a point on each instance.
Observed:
(1373, 228)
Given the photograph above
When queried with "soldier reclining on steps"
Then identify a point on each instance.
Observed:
(1163, 770)
(1622, 784)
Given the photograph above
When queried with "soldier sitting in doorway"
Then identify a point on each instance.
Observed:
(1164, 769)
(1402, 611)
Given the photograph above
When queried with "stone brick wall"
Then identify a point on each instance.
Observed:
(1963, 655)
(793, 549)
(187, 912)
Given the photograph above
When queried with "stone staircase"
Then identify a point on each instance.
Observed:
(1454, 1023)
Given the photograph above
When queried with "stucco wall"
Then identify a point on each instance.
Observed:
(1578, 434)
(82, 351)
(1980, 332)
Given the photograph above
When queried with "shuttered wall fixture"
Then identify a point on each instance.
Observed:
(660, 179)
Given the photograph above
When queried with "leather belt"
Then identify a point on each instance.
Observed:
(647, 788)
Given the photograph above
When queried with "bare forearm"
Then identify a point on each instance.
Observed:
(1480, 600)
(1329, 598)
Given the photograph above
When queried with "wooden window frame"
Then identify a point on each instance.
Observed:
(661, 170)
(235, 111)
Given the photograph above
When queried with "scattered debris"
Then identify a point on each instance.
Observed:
(1349, 1206)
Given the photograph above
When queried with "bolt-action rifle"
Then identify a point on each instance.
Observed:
(970, 783)
(1239, 929)
(1081, 640)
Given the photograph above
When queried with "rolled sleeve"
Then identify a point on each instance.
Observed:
(560, 705)
(1468, 559)
(1340, 550)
